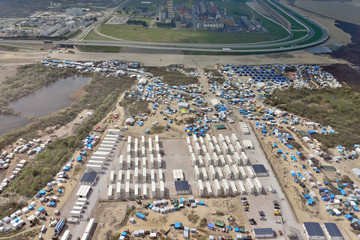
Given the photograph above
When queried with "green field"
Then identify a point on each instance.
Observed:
(94, 48)
(139, 33)
(93, 36)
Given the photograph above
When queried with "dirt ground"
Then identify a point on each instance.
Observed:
(112, 219)
(7, 71)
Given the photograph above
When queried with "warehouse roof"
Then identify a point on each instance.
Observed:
(259, 168)
(88, 178)
(333, 230)
(182, 186)
(313, 229)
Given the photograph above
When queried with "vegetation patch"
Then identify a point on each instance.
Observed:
(93, 48)
(157, 129)
(10, 207)
(139, 107)
(172, 77)
(338, 108)
(102, 94)
(9, 48)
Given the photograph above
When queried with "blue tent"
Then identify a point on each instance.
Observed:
(42, 192)
(210, 226)
(31, 207)
(202, 203)
(237, 230)
(60, 191)
(177, 225)
(41, 209)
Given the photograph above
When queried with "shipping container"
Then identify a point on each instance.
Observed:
(196, 172)
(222, 160)
(153, 189)
(227, 171)
(136, 191)
(121, 161)
(229, 160)
(220, 173)
(250, 171)
(244, 158)
(112, 176)
(212, 172)
(145, 192)
(233, 189)
(201, 161)
(162, 189)
(127, 190)
(249, 186)
(118, 190)
(128, 162)
(136, 175)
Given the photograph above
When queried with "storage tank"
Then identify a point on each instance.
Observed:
(227, 171)
(241, 187)
(201, 188)
(209, 190)
(217, 187)
(226, 187)
(204, 173)
(212, 172)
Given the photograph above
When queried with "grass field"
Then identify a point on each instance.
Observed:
(338, 108)
(139, 33)
(88, 48)
(93, 36)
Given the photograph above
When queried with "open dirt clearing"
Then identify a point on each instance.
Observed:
(112, 219)
(7, 71)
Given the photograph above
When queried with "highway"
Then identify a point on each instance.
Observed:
(259, 47)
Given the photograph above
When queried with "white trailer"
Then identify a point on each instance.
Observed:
(235, 172)
(157, 148)
(109, 142)
(128, 176)
(244, 128)
(93, 168)
(82, 199)
(220, 174)
(128, 150)
(195, 140)
(127, 190)
(217, 187)
(233, 189)
(144, 175)
(237, 158)
(242, 172)
(222, 160)
(98, 158)
(249, 186)
(190, 149)
(161, 177)
(215, 141)
(227, 171)
(208, 138)
(136, 175)
(112, 176)
(100, 154)
(121, 161)
(152, 163)
(197, 172)
(234, 138)
(258, 186)
(227, 140)
(150, 146)
(143, 141)
(238, 147)
(212, 172)
(188, 141)
(162, 189)
(136, 161)
(145, 192)
(218, 149)
(250, 172)
(120, 174)
(201, 140)
(136, 147)
(242, 189)
(152, 174)
(153, 189)
(225, 187)
(94, 162)
(156, 138)
(208, 159)
(78, 208)
(118, 190)
(144, 162)
(204, 174)
(225, 148)
(197, 149)
(208, 189)
(143, 152)
(201, 161)
(66, 235)
(105, 150)
(110, 192)
(193, 159)
(229, 160)
(79, 203)
(128, 161)
(129, 140)
(159, 162)
(201, 188)
(76, 214)
(244, 158)
(136, 191)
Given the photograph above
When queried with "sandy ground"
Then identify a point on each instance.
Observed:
(112, 219)
(333, 9)
(336, 34)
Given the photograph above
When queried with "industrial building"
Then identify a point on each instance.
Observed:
(314, 231)
(332, 231)
(263, 233)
